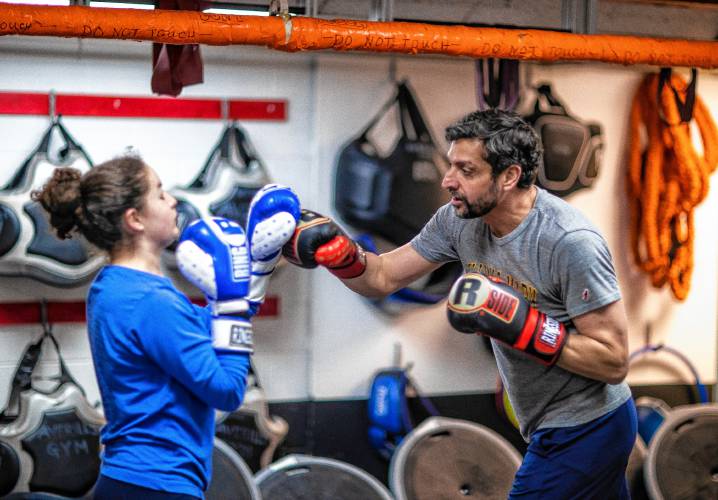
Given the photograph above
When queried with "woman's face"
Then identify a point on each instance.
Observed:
(159, 213)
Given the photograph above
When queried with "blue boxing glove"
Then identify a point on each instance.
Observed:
(213, 255)
(271, 220)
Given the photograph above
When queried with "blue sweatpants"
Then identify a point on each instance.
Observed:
(583, 462)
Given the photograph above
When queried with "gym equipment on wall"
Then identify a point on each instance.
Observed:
(450, 458)
(430, 289)
(391, 197)
(572, 149)
(28, 245)
(250, 430)
(224, 187)
(122, 106)
(300, 477)
(52, 445)
(231, 478)
(394, 195)
(667, 176)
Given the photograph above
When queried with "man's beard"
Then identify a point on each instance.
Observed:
(480, 207)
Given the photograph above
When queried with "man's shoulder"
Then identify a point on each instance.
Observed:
(560, 216)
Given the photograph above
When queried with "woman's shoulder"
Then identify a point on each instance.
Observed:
(135, 286)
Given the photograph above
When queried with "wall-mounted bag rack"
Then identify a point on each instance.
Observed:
(52, 104)
(31, 103)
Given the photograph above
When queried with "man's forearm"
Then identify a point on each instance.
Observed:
(373, 282)
(594, 359)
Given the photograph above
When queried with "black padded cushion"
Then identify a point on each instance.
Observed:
(9, 469)
(66, 454)
(9, 229)
(46, 244)
(236, 206)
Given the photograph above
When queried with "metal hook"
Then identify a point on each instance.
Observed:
(51, 106)
(224, 110)
(392, 69)
(44, 318)
(279, 8)
(397, 354)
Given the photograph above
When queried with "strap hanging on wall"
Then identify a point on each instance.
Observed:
(497, 83)
(30, 103)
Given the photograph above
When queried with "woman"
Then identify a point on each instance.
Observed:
(159, 377)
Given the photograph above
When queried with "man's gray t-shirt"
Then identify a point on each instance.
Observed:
(562, 265)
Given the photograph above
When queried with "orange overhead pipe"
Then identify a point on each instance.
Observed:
(303, 33)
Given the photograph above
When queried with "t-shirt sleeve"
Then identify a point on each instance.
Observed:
(583, 267)
(176, 335)
(435, 241)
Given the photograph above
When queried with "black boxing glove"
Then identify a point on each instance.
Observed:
(318, 240)
(478, 304)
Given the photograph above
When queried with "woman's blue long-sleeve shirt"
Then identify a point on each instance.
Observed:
(160, 380)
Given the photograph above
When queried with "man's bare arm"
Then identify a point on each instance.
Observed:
(390, 271)
(599, 347)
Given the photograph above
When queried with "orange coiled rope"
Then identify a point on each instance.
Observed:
(667, 178)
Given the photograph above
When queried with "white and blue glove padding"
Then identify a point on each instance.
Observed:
(213, 255)
(272, 217)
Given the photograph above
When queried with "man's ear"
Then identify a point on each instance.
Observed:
(132, 221)
(511, 176)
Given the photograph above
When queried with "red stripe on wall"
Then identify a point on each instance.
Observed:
(29, 103)
(18, 313)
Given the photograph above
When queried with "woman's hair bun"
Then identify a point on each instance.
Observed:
(61, 197)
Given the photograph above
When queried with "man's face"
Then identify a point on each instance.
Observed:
(474, 192)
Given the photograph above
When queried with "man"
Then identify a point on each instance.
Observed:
(540, 283)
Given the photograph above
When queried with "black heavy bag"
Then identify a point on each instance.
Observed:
(572, 148)
(395, 195)
(224, 187)
(28, 245)
(52, 445)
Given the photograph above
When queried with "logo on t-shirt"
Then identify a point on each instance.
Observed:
(586, 294)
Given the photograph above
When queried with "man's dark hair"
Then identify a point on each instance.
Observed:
(507, 138)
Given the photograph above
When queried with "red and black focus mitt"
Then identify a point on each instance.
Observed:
(318, 240)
